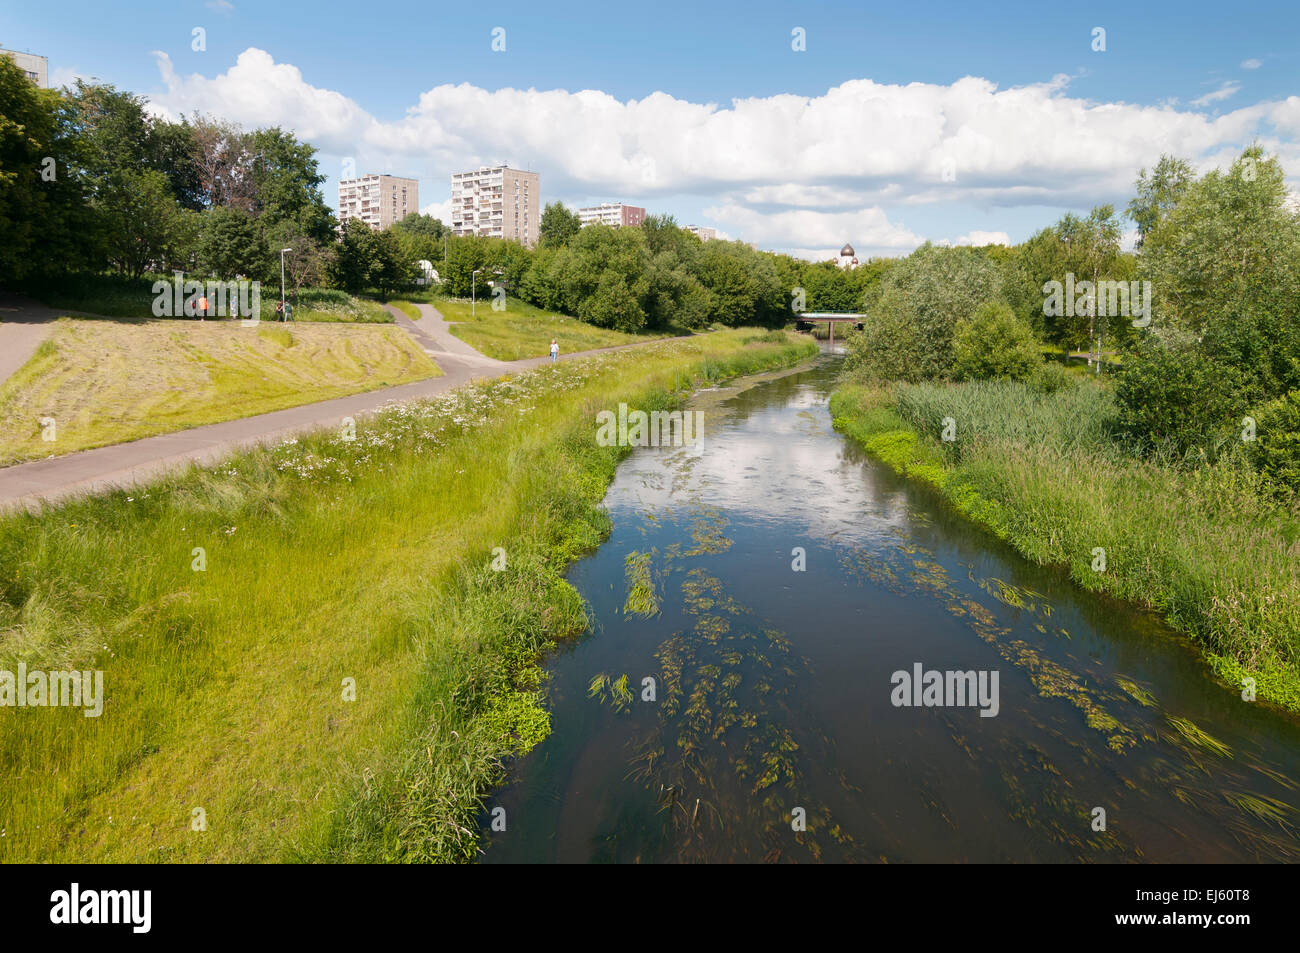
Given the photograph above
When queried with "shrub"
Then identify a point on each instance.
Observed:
(1275, 451)
(1171, 396)
(993, 344)
(1050, 377)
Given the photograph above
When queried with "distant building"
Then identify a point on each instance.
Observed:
(702, 233)
(497, 202)
(36, 67)
(611, 213)
(378, 200)
(848, 257)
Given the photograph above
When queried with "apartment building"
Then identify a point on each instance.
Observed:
(703, 233)
(497, 202)
(611, 213)
(36, 67)
(378, 200)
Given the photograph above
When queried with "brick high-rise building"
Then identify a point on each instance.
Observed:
(497, 202)
(612, 213)
(378, 200)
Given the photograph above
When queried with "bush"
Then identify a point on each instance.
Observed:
(993, 344)
(1172, 397)
(1275, 451)
(1050, 377)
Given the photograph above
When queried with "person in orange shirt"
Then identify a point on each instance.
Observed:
(203, 306)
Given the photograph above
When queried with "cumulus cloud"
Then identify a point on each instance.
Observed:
(1251, 63)
(784, 171)
(978, 238)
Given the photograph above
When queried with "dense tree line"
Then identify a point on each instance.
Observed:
(90, 180)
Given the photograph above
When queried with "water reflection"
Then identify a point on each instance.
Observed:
(771, 735)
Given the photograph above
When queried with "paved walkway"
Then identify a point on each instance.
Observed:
(24, 323)
(125, 464)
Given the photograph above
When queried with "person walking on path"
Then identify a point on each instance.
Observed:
(555, 350)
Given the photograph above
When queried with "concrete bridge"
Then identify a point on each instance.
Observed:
(831, 318)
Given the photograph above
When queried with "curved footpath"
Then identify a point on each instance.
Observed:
(125, 464)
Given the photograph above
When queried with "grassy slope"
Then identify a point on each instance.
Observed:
(325, 560)
(118, 297)
(522, 331)
(1201, 547)
(110, 381)
(408, 309)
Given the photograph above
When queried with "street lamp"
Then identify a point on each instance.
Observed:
(282, 301)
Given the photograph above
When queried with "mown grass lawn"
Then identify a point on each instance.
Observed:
(522, 331)
(326, 560)
(104, 382)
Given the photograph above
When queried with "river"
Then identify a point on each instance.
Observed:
(794, 577)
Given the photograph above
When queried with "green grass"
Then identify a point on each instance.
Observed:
(117, 297)
(1203, 547)
(326, 560)
(105, 382)
(523, 331)
(332, 306)
(407, 308)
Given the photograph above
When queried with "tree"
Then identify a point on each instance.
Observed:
(558, 225)
(230, 244)
(223, 163)
(287, 182)
(308, 262)
(915, 311)
(354, 255)
(994, 344)
(417, 223)
(1158, 194)
(389, 270)
(142, 220)
(743, 284)
(605, 276)
(27, 131)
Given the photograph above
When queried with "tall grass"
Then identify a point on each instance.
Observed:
(1199, 544)
(326, 560)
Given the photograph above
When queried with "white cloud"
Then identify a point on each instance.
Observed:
(978, 238)
(221, 6)
(439, 210)
(1251, 64)
(785, 171)
(1230, 88)
(68, 76)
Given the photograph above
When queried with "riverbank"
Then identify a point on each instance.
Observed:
(322, 650)
(1202, 547)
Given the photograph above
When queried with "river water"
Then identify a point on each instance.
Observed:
(774, 734)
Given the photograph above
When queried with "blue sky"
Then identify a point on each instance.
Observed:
(1200, 79)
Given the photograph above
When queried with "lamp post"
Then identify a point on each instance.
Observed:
(282, 301)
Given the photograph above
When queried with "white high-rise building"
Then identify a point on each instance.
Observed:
(378, 200)
(614, 214)
(497, 202)
(36, 67)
